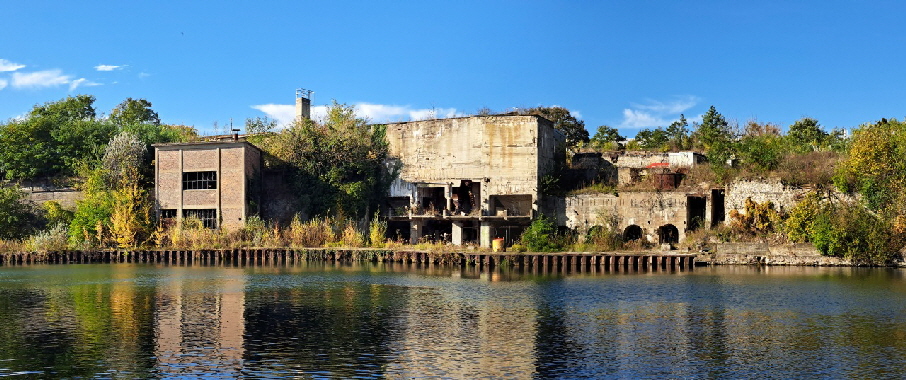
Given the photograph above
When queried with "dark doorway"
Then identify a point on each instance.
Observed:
(718, 211)
(632, 232)
(668, 234)
(695, 212)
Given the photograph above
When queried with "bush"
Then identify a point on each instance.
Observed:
(377, 232)
(541, 236)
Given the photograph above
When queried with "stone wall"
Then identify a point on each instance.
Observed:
(768, 254)
(784, 197)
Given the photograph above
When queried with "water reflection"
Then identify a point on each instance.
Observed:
(405, 320)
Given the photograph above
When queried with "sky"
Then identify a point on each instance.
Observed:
(626, 64)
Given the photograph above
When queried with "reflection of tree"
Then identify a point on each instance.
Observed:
(74, 326)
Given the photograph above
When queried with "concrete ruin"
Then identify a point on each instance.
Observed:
(213, 181)
(469, 179)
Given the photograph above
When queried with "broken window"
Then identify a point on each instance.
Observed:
(167, 216)
(208, 217)
(199, 180)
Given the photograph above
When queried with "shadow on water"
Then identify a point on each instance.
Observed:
(418, 320)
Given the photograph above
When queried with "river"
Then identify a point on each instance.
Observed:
(396, 320)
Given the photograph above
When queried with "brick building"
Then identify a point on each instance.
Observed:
(214, 181)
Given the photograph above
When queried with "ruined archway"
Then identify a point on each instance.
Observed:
(668, 234)
(632, 232)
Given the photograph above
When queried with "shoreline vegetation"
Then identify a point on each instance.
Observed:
(855, 211)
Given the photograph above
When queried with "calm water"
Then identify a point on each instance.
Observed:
(323, 320)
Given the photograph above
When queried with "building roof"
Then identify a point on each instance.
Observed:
(204, 144)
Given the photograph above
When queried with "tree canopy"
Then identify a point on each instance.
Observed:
(564, 121)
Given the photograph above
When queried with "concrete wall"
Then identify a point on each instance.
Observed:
(66, 197)
(236, 165)
(506, 154)
(648, 210)
(643, 159)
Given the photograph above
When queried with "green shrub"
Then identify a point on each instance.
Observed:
(541, 236)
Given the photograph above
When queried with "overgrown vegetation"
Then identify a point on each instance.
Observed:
(338, 166)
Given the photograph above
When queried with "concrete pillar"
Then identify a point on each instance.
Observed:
(457, 233)
(448, 193)
(416, 230)
(484, 234)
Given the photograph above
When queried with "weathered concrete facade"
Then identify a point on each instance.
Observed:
(476, 178)
(658, 217)
(214, 181)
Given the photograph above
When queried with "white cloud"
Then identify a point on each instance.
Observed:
(3, 83)
(37, 79)
(143, 75)
(283, 113)
(81, 82)
(9, 66)
(375, 113)
(107, 67)
(656, 113)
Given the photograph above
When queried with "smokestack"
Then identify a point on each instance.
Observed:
(303, 104)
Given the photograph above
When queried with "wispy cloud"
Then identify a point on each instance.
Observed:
(39, 79)
(9, 66)
(376, 113)
(46, 78)
(81, 82)
(143, 75)
(656, 113)
(3, 83)
(107, 67)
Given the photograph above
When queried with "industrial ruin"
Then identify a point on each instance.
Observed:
(467, 180)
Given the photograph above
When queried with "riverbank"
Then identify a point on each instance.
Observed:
(718, 254)
(773, 254)
(560, 261)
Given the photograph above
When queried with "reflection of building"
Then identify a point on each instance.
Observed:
(470, 178)
(213, 181)
(456, 334)
(193, 322)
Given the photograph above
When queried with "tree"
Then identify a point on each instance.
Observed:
(806, 135)
(713, 131)
(134, 111)
(678, 133)
(573, 128)
(54, 139)
(606, 135)
(338, 165)
(79, 107)
(652, 139)
(260, 125)
(875, 167)
(17, 214)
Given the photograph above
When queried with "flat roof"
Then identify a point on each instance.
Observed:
(203, 144)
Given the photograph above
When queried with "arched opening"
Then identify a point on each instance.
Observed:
(632, 232)
(668, 234)
(595, 231)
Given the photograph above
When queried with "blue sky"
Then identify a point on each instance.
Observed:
(627, 64)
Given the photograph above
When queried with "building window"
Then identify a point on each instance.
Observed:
(199, 180)
(208, 217)
(167, 216)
